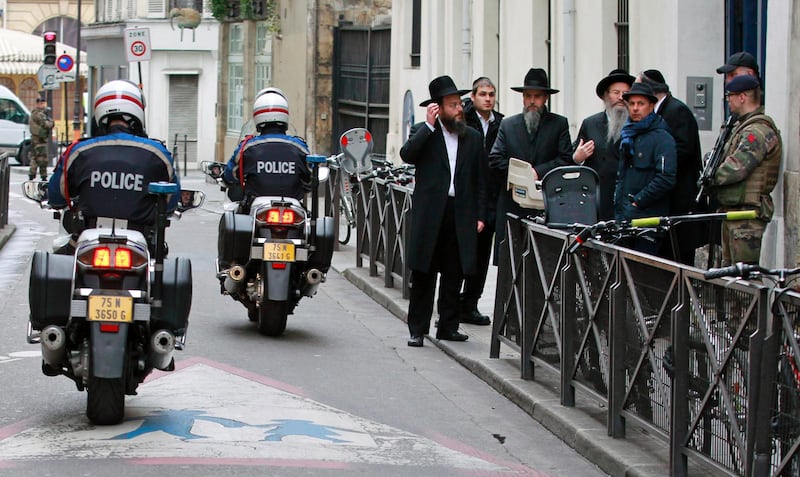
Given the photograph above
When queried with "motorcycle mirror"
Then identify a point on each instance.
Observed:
(356, 146)
(191, 199)
(213, 170)
(35, 190)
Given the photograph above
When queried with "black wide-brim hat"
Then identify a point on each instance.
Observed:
(616, 76)
(641, 89)
(536, 79)
(440, 87)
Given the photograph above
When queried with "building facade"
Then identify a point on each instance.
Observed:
(180, 78)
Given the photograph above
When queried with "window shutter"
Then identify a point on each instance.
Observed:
(156, 9)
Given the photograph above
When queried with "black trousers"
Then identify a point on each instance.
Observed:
(473, 284)
(447, 263)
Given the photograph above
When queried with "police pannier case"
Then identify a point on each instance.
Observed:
(322, 256)
(50, 289)
(177, 295)
(235, 235)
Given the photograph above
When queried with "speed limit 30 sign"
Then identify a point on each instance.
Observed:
(137, 44)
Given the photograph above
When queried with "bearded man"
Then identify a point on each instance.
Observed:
(536, 136)
(448, 209)
(597, 145)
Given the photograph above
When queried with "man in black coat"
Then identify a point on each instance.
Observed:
(480, 115)
(683, 127)
(448, 209)
(597, 145)
(535, 135)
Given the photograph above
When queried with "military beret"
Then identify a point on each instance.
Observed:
(742, 83)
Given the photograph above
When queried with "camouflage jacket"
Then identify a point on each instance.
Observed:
(40, 125)
(749, 172)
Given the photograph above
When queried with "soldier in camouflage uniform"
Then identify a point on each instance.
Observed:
(41, 126)
(749, 172)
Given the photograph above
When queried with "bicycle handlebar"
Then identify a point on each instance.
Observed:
(745, 270)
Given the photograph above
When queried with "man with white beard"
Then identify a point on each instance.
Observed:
(597, 145)
(536, 135)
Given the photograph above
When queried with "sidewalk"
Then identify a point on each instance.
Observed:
(582, 427)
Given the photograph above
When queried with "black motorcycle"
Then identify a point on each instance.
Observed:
(110, 313)
(277, 254)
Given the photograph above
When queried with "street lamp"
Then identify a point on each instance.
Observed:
(76, 108)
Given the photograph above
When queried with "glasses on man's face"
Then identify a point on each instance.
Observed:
(617, 92)
(728, 94)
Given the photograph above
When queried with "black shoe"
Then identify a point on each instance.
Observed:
(30, 177)
(475, 317)
(415, 342)
(451, 336)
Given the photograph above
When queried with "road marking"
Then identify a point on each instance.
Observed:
(209, 413)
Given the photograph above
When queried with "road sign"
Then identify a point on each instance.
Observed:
(137, 44)
(66, 69)
(47, 76)
(64, 63)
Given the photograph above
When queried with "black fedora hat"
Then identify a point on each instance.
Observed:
(440, 87)
(536, 79)
(641, 89)
(616, 76)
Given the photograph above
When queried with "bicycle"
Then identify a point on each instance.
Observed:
(785, 395)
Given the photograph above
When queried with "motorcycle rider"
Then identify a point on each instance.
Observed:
(271, 163)
(108, 175)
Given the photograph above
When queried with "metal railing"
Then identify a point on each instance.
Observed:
(5, 177)
(702, 364)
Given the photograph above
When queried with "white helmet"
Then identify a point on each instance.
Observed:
(120, 98)
(270, 106)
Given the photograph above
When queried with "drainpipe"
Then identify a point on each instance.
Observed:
(569, 59)
(466, 41)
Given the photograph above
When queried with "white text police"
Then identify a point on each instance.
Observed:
(117, 180)
(278, 167)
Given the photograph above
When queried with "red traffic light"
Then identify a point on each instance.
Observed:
(49, 47)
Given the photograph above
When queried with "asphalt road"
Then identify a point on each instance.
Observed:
(338, 394)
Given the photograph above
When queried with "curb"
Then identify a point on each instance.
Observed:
(6, 233)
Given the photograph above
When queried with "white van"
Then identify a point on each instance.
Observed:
(14, 130)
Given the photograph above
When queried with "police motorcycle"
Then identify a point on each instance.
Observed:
(110, 313)
(277, 254)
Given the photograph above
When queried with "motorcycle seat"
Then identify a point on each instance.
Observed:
(93, 235)
(268, 200)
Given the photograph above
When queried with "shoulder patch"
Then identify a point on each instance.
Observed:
(751, 138)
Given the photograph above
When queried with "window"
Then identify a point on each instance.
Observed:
(263, 59)
(623, 40)
(8, 83)
(235, 79)
(10, 111)
(746, 29)
(416, 32)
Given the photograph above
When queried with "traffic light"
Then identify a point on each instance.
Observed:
(49, 47)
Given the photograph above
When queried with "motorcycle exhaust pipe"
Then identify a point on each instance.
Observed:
(234, 277)
(54, 345)
(162, 345)
(313, 278)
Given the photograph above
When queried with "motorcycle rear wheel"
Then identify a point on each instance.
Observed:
(272, 316)
(105, 404)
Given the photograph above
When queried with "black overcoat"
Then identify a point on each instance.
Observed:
(683, 127)
(427, 151)
(549, 148)
(604, 160)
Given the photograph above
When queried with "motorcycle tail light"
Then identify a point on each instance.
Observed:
(116, 257)
(101, 257)
(278, 266)
(279, 216)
